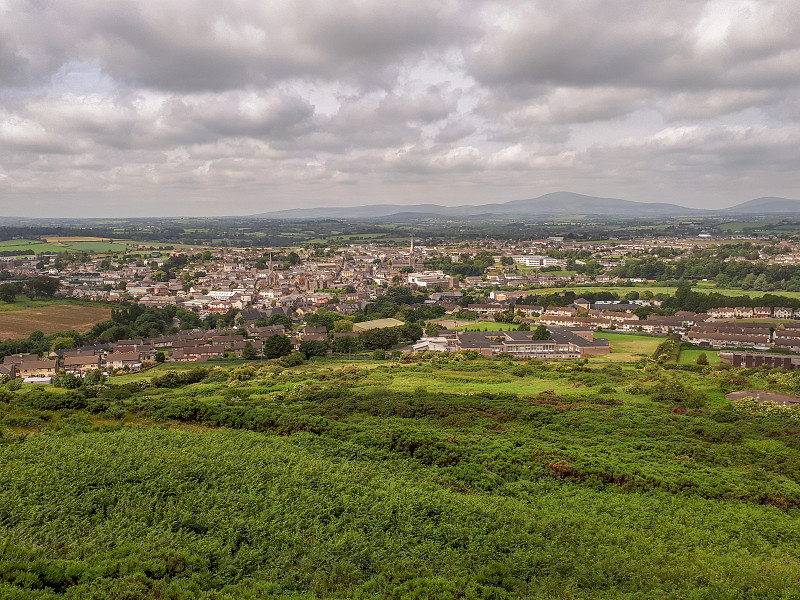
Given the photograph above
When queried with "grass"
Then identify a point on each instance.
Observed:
(489, 326)
(19, 321)
(704, 287)
(628, 347)
(54, 245)
(689, 357)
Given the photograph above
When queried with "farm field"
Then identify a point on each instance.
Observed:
(53, 245)
(335, 480)
(49, 317)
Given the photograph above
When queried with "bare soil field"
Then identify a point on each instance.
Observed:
(50, 319)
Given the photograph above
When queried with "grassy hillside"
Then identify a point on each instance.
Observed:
(437, 478)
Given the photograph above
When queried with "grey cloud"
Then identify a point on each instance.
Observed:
(207, 46)
(187, 99)
(647, 44)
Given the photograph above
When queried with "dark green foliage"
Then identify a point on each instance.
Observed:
(9, 291)
(292, 359)
(249, 352)
(314, 348)
(279, 319)
(332, 481)
(42, 286)
(347, 345)
(276, 346)
(173, 379)
(674, 392)
(541, 333)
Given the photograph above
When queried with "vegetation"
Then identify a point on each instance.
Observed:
(325, 479)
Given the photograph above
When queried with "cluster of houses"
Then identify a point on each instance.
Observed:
(237, 278)
(194, 345)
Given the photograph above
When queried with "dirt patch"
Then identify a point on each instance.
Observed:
(762, 396)
(51, 319)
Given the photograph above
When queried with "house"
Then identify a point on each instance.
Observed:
(81, 364)
(561, 311)
(781, 312)
(486, 309)
(762, 312)
(582, 304)
(121, 360)
(37, 368)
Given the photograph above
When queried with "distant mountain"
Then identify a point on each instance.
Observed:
(554, 204)
(765, 206)
(568, 203)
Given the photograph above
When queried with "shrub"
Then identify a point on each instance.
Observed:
(674, 392)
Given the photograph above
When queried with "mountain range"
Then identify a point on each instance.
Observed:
(553, 204)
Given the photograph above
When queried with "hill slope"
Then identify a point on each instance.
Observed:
(556, 203)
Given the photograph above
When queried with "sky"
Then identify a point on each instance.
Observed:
(201, 107)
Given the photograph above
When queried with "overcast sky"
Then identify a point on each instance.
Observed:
(208, 108)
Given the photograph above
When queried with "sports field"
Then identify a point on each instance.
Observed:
(51, 318)
(628, 347)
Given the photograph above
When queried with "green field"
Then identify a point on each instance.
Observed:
(689, 357)
(489, 326)
(704, 287)
(63, 245)
(434, 477)
(35, 246)
(628, 347)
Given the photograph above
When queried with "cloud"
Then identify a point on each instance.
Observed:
(453, 101)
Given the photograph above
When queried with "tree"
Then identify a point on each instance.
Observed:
(524, 327)
(94, 377)
(347, 344)
(249, 353)
(313, 348)
(541, 333)
(42, 286)
(63, 343)
(160, 356)
(70, 381)
(702, 359)
(383, 338)
(433, 329)
(343, 326)
(276, 346)
(8, 292)
(279, 319)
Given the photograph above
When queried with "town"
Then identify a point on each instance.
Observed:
(244, 303)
